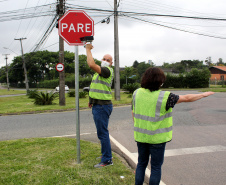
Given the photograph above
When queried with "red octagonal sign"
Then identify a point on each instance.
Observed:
(75, 24)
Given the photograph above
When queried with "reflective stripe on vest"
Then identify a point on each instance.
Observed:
(100, 87)
(149, 132)
(153, 119)
(103, 82)
(166, 131)
(100, 91)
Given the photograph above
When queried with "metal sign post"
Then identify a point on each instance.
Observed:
(74, 25)
(77, 103)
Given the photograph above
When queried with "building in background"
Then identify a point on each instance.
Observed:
(218, 73)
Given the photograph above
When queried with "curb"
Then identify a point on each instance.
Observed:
(130, 158)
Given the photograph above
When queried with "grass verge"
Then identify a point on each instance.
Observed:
(53, 161)
(11, 91)
(20, 104)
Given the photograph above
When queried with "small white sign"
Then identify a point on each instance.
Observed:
(60, 67)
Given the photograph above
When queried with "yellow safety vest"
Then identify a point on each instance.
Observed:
(152, 123)
(100, 87)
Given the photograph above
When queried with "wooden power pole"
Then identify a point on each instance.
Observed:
(61, 59)
(24, 64)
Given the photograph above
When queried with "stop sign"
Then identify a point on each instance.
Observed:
(75, 24)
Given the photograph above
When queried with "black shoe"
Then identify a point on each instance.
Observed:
(101, 164)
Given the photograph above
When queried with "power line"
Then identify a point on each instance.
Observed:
(47, 33)
(218, 37)
(27, 13)
(97, 12)
(145, 14)
(21, 19)
(174, 16)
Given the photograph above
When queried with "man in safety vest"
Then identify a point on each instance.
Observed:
(100, 100)
(153, 122)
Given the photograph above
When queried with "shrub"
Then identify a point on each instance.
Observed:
(131, 87)
(129, 96)
(176, 81)
(42, 98)
(71, 93)
(193, 79)
(48, 84)
(198, 78)
(31, 93)
(81, 94)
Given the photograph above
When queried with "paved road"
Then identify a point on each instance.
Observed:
(196, 155)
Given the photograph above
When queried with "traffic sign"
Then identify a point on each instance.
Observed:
(60, 67)
(75, 24)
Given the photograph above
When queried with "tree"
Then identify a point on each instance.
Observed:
(180, 68)
(130, 74)
(189, 64)
(141, 68)
(209, 62)
(41, 66)
(220, 62)
(166, 65)
(135, 64)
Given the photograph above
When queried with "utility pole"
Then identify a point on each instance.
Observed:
(7, 77)
(24, 64)
(60, 11)
(116, 53)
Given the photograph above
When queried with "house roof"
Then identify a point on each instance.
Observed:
(223, 68)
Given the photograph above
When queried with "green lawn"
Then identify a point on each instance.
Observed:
(19, 104)
(11, 91)
(53, 161)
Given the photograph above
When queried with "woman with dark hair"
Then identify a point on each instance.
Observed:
(152, 114)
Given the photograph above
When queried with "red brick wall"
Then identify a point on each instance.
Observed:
(218, 76)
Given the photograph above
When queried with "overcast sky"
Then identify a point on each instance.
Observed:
(140, 38)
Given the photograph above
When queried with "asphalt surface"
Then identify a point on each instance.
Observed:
(195, 156)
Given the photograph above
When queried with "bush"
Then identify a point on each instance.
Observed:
(71, 93)
(198, 78)
(48, 84)
(70, 81)
(176, 81)
(131, 87)
(42, 98)
(193, 79)
(32, 93)
(82, 94)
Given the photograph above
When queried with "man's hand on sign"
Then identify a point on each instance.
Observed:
(89, 46)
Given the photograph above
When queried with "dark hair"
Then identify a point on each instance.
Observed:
(153, 78)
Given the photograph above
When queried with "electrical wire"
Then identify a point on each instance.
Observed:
(47, 33)
(174, 28)
(26, 13)
(101, 14)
